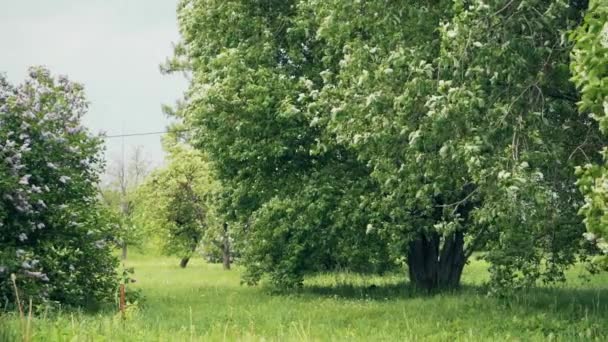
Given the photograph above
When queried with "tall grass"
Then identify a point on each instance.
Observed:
(205, 303)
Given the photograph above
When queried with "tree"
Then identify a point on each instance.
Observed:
(119, 195)
(590, 74)
(428, 130)
(455, 112)
(298, 199)
(176, 203)
(53, 232)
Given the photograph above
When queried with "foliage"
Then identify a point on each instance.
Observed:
(299, 203)
(422, 131)
(133, 296)
(175, 202)
(53, 232)
(453, 105)
(590, 74)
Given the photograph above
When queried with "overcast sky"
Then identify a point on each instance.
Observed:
(113, 47)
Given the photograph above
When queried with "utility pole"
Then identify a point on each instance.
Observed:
(124, 205)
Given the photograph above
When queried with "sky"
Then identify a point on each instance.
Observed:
(113, 48)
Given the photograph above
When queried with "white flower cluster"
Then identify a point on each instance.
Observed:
(601, 243)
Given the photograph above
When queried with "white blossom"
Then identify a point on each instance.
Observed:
(74, 130)
(603, 245)
(589, 236)
(25, 180)
(38, 275)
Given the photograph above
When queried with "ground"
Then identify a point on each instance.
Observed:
(205, 303)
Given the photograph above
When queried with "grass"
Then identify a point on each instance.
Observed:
(205, 303)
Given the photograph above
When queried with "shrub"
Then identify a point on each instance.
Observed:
(53, 233)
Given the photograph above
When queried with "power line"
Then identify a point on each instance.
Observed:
(133, 134)
(142, 134)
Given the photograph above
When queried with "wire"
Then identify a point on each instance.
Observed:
(132, 135)
(143, 134)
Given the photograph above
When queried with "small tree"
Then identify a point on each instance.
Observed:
(175, 203)
(119, 195)
(53, 232)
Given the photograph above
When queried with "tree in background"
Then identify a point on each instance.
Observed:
(431, 130)
(176, 203)
(119, 194)
(590, 74)
(53, 232)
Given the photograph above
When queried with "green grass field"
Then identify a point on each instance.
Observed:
(203, 303)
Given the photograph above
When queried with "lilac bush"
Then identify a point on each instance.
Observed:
(52, 229)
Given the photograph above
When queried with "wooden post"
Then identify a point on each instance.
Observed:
(122, 301)
(29, 321)
(21, 317)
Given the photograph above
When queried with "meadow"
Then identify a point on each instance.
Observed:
(205, 303)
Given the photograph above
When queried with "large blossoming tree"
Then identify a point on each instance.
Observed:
(436, 129)
(53, 234)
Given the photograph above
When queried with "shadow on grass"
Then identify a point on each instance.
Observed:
(399, 290)
(576, 303)
(586, 301)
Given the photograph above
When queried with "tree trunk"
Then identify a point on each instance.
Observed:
(124, 251)
(436, 266)
(226, 248)
(184, 262)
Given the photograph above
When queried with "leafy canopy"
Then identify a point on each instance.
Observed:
(590, 74)
(175, 202)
